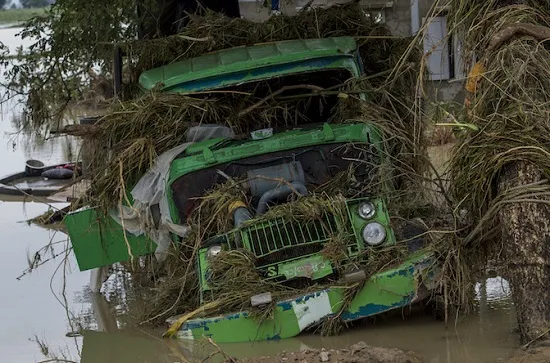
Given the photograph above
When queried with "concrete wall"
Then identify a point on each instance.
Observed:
(445, 91)
(398, 17)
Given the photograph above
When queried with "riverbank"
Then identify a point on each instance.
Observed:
(14, 17)
(537, 352)
(360, 352)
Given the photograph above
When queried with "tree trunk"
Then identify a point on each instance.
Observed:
(526, 235)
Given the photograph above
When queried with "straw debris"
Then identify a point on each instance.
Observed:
(508, 100)
(511, 106)
(212, 32)
(134, 132)
(155, 122)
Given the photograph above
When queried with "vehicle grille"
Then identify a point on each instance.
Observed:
(281, 239)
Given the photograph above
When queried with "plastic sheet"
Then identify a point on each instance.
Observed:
(150, 192)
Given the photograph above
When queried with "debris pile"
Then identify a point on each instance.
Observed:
(134, 132)
(214, 31)
(155, 122)
(510, 102)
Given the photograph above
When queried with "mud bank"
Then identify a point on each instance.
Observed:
(537, 353)
(357, 353)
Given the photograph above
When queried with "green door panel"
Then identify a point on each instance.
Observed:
(100, 241)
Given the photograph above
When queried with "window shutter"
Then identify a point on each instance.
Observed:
(437, 49)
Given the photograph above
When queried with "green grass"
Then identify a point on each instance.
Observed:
(11, 16)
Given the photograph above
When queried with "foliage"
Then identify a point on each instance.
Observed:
(11, 16)
(68, 39)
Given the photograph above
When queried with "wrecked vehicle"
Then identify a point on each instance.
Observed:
(291, 210)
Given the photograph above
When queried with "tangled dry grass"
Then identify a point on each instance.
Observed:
(511, 106)
(134, 132)
(213, 31)
(509, 103)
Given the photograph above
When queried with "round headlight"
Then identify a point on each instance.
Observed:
(214, 250)
(366, 210)
(374, 233)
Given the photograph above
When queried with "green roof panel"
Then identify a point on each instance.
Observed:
(245, 58)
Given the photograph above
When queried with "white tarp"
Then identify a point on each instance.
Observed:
(151, 191)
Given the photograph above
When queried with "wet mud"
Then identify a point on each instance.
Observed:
(357, 353)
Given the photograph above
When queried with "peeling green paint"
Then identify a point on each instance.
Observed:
(385, 291)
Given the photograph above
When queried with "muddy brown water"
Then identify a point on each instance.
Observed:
(483, 336)
(37, 310)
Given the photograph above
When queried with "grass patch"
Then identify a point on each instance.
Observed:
(11, 16)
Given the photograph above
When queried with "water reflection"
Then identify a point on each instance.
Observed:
(484, 336)
(492, 290)
(35, 310)
(19, 138)
(53, 147)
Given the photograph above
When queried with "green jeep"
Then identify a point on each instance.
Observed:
(280, 166)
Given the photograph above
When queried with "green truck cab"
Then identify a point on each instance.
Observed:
(281, 166)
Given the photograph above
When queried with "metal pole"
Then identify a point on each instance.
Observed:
(117, 72)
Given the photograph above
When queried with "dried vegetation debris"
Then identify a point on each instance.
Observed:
(510, 105)
(499, 175)
(214, 31)
(134, 132)
(156, 122)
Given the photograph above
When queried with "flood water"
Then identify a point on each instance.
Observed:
(38, 309)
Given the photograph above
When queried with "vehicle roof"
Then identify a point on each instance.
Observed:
(244, 58)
